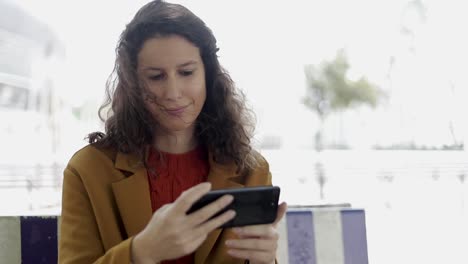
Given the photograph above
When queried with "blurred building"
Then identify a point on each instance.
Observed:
(29, 51)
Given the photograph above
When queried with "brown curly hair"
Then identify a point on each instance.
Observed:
(225, 124)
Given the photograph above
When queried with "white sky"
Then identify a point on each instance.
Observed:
(264, 45)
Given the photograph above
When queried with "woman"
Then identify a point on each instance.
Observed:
(176, 128)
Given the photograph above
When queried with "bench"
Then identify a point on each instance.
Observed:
(307, 236)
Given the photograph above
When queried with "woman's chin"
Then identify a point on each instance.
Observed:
(178, 127)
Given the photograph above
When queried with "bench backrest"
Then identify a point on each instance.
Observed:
(307, 236)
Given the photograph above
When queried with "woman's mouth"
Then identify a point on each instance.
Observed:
(176, 111)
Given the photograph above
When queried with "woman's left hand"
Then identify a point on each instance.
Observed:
(257, 243)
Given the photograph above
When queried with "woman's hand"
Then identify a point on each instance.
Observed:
(171, 233)
(257, 243)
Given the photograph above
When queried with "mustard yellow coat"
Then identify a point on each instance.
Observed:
(106, 202)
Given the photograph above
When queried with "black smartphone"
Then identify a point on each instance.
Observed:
(253, 205)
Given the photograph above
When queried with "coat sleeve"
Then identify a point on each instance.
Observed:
(269, 182)
(264, 177)
(79, 238)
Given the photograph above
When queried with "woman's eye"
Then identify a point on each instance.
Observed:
(156, 77)
(186, 73)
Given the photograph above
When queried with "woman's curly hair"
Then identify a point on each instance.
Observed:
(224, 125)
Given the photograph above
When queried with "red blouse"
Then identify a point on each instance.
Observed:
(171, 174)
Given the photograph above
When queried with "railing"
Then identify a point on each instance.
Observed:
(31, 176)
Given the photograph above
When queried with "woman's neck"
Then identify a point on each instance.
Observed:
(175, 142)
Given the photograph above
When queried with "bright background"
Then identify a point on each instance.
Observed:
(414, 50)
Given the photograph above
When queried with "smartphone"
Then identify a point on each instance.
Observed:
(253, 205)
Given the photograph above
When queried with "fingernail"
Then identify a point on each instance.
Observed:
(228, 242)
(237, 230)
(229, 198)
(207, 185)
(232, 213)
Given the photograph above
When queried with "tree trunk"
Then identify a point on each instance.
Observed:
(319, 168)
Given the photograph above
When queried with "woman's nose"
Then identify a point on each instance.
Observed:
(173, 89)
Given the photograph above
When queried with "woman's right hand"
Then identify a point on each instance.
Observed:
(171, 233)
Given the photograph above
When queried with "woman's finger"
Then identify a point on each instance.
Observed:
(252, 256)
(261, 231)
(190, 196)
(214, 223)
(282, 208)
(252, 244)
(205, 213)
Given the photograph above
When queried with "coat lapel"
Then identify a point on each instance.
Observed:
(221, 177)
(132, 194)
(134, 202)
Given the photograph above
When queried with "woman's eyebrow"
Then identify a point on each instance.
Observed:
(191, 62)
(152, 68)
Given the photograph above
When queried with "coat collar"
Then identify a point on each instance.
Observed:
(133, 197)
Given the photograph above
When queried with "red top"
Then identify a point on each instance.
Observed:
(171, 174)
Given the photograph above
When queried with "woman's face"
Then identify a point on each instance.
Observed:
(173, 71)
